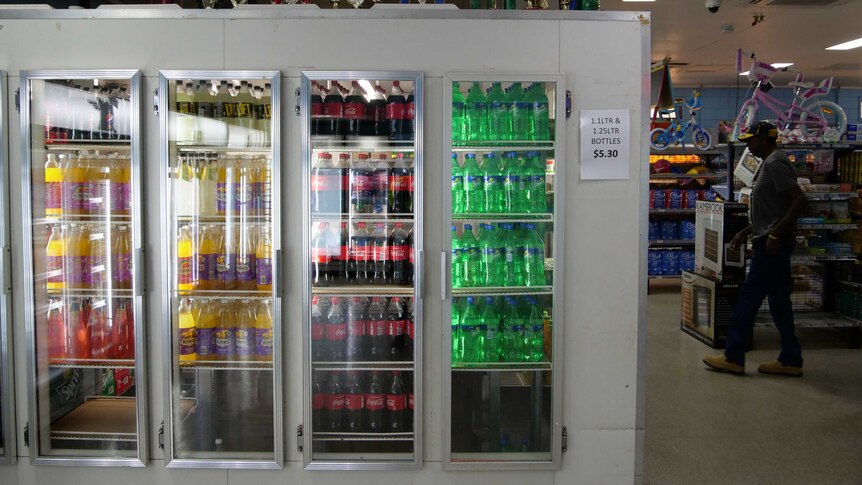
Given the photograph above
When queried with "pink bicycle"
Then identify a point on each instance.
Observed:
(816, 120)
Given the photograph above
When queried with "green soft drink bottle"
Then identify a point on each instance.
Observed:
(508, 277)
(514, 185)
(457, 261)
(457, 349)
(491, 322)
(476, 115)
(534, 169)
(499, 114)
(458, 197)
(519, 262)
(539, 112)
(490, 258)
(458, 114)
(535, 333)
(513, 332)
(471, 329)
(470, 257)
(534, 256)
(494, 179)
(474, 185)
(520, 109)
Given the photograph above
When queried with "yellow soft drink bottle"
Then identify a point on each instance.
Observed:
(187, 331)
(263, 333)
(245, 331)
(55, 255)
(263, 259)
(207, 254)
(206, 325)
(185, 259)
(53, 187)
(225, 332)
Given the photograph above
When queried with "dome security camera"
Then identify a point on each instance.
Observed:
(713, 5)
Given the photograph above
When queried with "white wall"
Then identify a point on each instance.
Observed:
(605, 59)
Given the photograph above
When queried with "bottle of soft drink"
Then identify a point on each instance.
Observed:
(376, 114)
(471, 257)
(457, 261)
(494, 180)
(534, 170)
(473, 340)
(535, 338)
(187, 331)
(376, 331)
(380, 254)
(458, 115)
(539, 114)
(79, 335)
(225, 270)
(411, 114)
(123, 330)
(343, 166)
(375, 402)
(317, 117)
(511, 343)
(534, 257)
(397, 325)
(341, 266)
(410, 257)
(396, 404)
(458, 196)
(224, 185)
(360, 258)
(521, 130)
(53, 187)
(336, 331)
(97, 182)
(492, 258)
(263, 341)
(400, 193)
(225, 332)
(354, 403)
(474, 185)
(318, 399)
(476, 115)
(356, 341)
(55, 258)
(399, 247)
(263, 259)
(318, 331)
(355, 106)
(185, 260)
(207, 259)
(491, 321)
(79, 185)
(55, 323)
(361, 186)
(100, 253)
(245, 263)
(499, 114)
(334, 404)
(514, 185)
(244, 338)
(245, 186)
(325, 185)
(245, 106)
(456, 334)
(77, 264)
(411, 329)
(396, 113)
(380, 182)
(510, 276)
(206, 328)
(333, 111)
(520, 237)
(321, 257)
(122, 259)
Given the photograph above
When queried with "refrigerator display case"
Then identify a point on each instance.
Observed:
(222, 301)
(7, 394)
(81, 165)
(502, 279)
(362, 215)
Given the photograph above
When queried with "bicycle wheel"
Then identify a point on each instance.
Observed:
(659, 139)
(701, 139)
(745, 119)
(827, 119)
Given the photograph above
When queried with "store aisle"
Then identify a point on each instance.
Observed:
(703, 427)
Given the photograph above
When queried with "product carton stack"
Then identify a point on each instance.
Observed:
(709, 293)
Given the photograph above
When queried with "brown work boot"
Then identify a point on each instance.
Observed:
(776, 368)
(720, 363)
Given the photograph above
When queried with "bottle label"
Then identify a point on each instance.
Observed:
(334, 402)
(115, 198)
(225, 342)
(500, 107)
(354, 111)
(317, 400)
(244, 343)
(183, 107)
(345, 253)
(187, 341)
(126, 189)
(522, 105)
(79, 271)
(54, 268)
(399, 253)
(540, 109)
(245, 265)
(475, 181)
(356, 328)
(411, 254)
(230, 110)
(318, 331)
(263, 342)
(205, 342)
(396, 111)
(395, 328)
(457, 107)
(226, 267)
(380, 252)
(336, 331)
(410, 401)
(316, 109)
(184, 270)
(221, 196)
(375, 402)
(325, 182)
(399, 183)
(244, 194)
(361, 183)
(491, 182)
(354, 402)
(80, 196)
(479, 105)
(320, 256)
(333, 110)
(208, 267)
(264, 271)
(53, 197)
(243, 110)
(396, 402)
(375, 328)
(411, 110)
(359, 252)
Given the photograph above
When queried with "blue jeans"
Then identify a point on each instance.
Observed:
(768, 276)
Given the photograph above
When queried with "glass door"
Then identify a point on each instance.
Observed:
(362, 180)
(502, 375)
(7, 396)
(82, 229)
(220, 147)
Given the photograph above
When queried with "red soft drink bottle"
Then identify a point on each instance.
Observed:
(410, 257)
(354, 402)
(380, 254)
(378, 125)
(411, 330)
(122, 335)
(333, 111)
(321, 258)
(396, 404)
(79, 339)
(342, 275)
(375, 331)
(336, 331)
(375, 402)
(316, 110)
(100, 336)
(318, 398)
(56, 323)
(411, 114)
(361, 186)
(360, 257)
(334, 404)
(344, 194)
(395, 328)
(318, 331)
(400, 195)
(354, 110)
(380, 178)
(355, 329)
(396, 113)
(399, 250)
(410, 403)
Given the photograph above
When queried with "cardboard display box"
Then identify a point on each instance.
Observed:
(716, 224)
(707, 306)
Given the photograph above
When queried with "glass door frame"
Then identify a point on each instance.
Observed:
(138, 281)
(168, 226)
(418, 78)
(7, 381)
(559, 278)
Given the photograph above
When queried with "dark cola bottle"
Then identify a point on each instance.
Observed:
(321, 257)
(318, 397)
(355, 107)
(376, 331)
(411, 330)
(399, 254)
(396, 405)
(376, 114)
(317, 127)
(343, 277)
(380, 254)
(396, 113)
(318, 331)
(410, 257)
(344, 184)
(411, 116)
(336, 331)
(333, 111)
(375, 403)
(396, 327)
(360, 255)
(356, 330)
(400, 192)
(334, 404)
(354, 403)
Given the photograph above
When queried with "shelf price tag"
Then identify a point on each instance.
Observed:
(605, 136)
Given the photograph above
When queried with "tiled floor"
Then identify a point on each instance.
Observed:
(704, 427)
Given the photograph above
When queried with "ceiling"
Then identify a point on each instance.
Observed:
(795, 31)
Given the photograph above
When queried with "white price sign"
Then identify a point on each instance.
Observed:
(605, 137)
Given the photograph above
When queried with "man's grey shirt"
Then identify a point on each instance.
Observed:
(769, 198)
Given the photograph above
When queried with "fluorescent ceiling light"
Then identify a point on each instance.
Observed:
(777, 65)
(846, 46)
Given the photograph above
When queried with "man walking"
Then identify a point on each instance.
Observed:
(776, 203)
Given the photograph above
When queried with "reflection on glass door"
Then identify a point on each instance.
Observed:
(7, 396)
(362, 160)
(503, 278)
(82, 153)
(220, 164)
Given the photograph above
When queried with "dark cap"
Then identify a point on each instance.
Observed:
(764, 129)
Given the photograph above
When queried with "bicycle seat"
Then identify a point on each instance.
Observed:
(803, 85)
(820, 90)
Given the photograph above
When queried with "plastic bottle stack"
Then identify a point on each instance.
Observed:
(224, 257)
(224, 330)
(362, 402)
(504, 255)
(510, 182)
(362, 183)
(355, 113)
(500, 118)
(502, 329)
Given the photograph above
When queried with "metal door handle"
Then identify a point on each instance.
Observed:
(277, 274)
(419, 275)
(139, 270)
(443, 265)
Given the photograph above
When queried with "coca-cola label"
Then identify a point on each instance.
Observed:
(354, 111)
(264, 271)
(375, 328)
(336, 331)
(244, 343)
(187, 341)
(344, 252)
(316, 109)
(411, 110)
(225, 342)
(410, 401)
(54, 268)
(411, 254)
(361, 184)
(354, 402)
(325, 182)
(334, 402)
(318, 331)
(395, 328)
(356, 328)
(317, 401)
(375, 402)
(333, 110)
(263, 342)
(205, 343)
(399, 183)
(396, 111)
(53, 196)
(245, 267)
(400, 253)
(396, 402)
(359, 252)
(320, 255)
(380, 252)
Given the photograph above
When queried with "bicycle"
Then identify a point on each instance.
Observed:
(815, 119)
(661, 138)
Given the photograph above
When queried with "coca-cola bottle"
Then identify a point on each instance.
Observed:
(361, 186)
(354, 402)
(360, 257)
(317, 127)
(356, 340)
(343, 277)
(400, 196)
(410, 404)
(411, 114)
(318, 331)
(380, 181)
(333, 111)
(325, 185)
(376, 111)
(410, 258)
(336, 331)
(375, 402)
(396, 404)
(380, 254)
(399, 251)
(354, 110)
(376, 331)
(396, 325)
(343, 204)
(411, 330)
(396, 113)
(334, 404)
(321, 257)
(318, 397)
